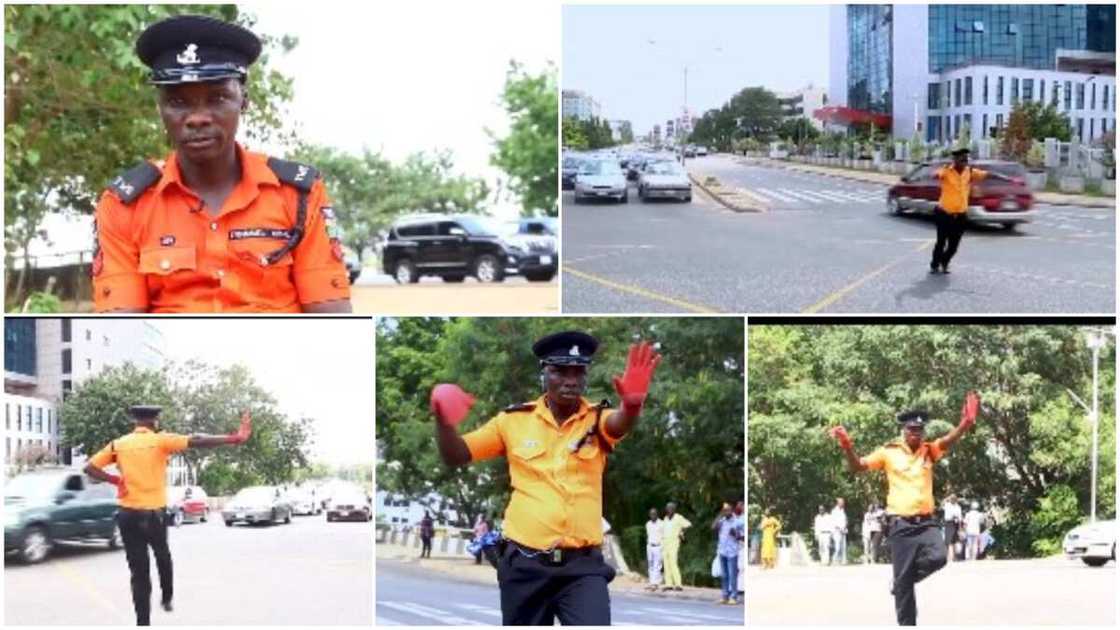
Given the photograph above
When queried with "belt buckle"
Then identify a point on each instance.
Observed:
(557, 556)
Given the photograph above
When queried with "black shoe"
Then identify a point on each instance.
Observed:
(933, 267)
(892, 586)
(166, 605)
(945, 268)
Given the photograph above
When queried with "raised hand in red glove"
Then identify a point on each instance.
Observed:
(633, 385)
(841, 436)
(244, 431)
(450, 403)
(968, 411)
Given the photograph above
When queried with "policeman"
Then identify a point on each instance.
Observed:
(549, 562)
(141, 458)
(214, 227)
(914, 534)
(951, 212)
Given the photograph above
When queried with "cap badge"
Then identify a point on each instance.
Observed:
(189, 56)
(574, 352)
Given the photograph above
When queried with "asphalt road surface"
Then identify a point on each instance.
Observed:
(407, 595)
(307, 572)
(379, 294)
(1011, 593)
(826, 244)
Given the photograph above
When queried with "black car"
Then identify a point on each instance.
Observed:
(51, 505)
(455, 246)
(568, 171)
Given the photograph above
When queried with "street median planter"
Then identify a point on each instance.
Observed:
(726, 197)
(1108, 187)
(1036, 180)
(1071, 184)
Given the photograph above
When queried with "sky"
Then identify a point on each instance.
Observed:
(318, 368)
(607, 53)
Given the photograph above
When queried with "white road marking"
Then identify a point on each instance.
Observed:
(442, 616)
(479, 608)
(385, 621)
(776, 195)
(801, 195)
(667, 611)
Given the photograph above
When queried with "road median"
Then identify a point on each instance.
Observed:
(729, 198)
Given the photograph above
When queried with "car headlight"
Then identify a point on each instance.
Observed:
(515, 247)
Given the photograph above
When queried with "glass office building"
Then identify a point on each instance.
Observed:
(869, 58)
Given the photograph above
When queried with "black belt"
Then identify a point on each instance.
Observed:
(557, 556)
(914, 519)
(160, 510)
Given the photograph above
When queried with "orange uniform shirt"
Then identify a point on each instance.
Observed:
(909, 475)
(162, 253)
(142, 456)
(557, 495)
(956, 186)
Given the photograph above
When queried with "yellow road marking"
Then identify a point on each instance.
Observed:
(86, 585)
(835, 296)
(639, 291)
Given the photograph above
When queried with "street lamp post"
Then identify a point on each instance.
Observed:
(1095, 340)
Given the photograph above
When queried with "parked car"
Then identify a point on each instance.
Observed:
(304, 502)
(353, 264)
(453, 246)
(569, 168)
(350, 506)
(1093, 543)
(990, 200)
(601, 179)
(664, 180)
(701, 151)
(187, 504)
(57, 505)
(257, 504)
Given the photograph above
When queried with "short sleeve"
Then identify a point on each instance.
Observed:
(117, 281)
(602, 428)
(173, 442)
(318, 270)
(486, 441)
(104, 457)
(876, 460)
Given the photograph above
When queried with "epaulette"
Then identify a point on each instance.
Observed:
(129, 185)
(296, 174)
(525, 406)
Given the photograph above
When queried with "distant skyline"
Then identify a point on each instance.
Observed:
(607, 53)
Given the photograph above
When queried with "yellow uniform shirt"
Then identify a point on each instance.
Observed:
(557, 495)
(673, 529)
(909, 475)
(141, 456)
(955, 187)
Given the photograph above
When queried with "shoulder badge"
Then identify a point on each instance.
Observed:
(295, 174)
(129, 185)
(525, 406)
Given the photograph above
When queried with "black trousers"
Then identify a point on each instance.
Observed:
(950, 229)
(426, 547)
(536, 592)
(141, 529)
(917, 552)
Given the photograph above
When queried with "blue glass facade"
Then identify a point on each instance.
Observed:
(869, 57)
(20, 348)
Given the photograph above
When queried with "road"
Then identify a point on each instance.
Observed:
(406, 595)
(826, 244)
(379, 294)
(1012, 593)
(308, 572)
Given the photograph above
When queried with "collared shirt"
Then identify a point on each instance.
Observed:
(972, 522)
(672, 529)
(557, 497)
(839, 519)
(653, 532)
(909, 475)
(822, 524)
(142, 456)
(955, 187)
(729, 534)
(871, 522)
(952, 512)
(165, 253)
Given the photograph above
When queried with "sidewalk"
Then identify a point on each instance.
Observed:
(1051, 198)
(464, 568)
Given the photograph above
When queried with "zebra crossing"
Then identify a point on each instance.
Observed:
(411, 613)
(775, 197)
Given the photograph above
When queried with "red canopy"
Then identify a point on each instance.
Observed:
(848, 116)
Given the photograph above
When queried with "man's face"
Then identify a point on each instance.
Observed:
(726, 510)
(839, 502)
(670, 509)
(653, 515)
(960, 161)
(913, 436)
(564, 384)
(202, 118)
(739, 507)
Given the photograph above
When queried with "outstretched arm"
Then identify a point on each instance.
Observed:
(632, 388)
(854, 463)
(210, 441)
(968, 418)
(450, 405)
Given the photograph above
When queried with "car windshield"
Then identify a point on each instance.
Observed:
(482, 226)
(1009, 169)
(32, 486)
(572, 162)
(602, 167)
(664, 168)
(255, 494)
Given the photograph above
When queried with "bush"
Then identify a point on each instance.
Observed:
(42, 302)
(1057, 513)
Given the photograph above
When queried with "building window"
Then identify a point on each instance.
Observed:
(7, 416)
(984, 130)
(933, 96)
(1080, 129)
(19, 417)
(1055, 93)
(985, 96)
(1080, 96)
(968, 124)
(1093, 97)
(999, 121)
(1104, 126)
(1068, 93)
(89, 365)
(105, 340)
(999, 90)
(957, 93)
(1042, 91)
(38, 419)
(968, 90)
(956, 125)
(65, 330)
(1028, 90)
(1014, 90)
(89, 335)
(67, 386)
(1092, 123)
(66, 361)
(948, 102)
(1104, 98)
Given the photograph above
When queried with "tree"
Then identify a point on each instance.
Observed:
(528, 153)
(96, 412)
(1017, 137)
(573, 134)
(1044, 121)
(798, 131)
(77, 111)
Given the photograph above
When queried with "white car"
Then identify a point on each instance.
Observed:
(601, 179)
(665, 180)
(304, 503)
(1094, 543)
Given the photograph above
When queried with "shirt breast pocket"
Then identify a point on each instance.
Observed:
(527, 459)
(164, 261)
(253, 255)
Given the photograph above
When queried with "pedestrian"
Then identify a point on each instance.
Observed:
(917, 548)
(550, 563)
(872, 533)
(770, 527)
(742, 540)
(672, 534)
(951, 513)
(427, 530)
(951, 212)
(653, 549)
(822, 530)
(213, 227)
(839, 520)
(973, 524)
(726, 528)
(141, 459)
(481, 528)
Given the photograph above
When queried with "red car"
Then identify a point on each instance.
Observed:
(990, 200)
(187, 504)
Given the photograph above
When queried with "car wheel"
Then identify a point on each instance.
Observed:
(272, 517)
(893, 206)
(576, 199)
(454, 278)
(115, 539)
(329, 517)
(1095, 562)
(205, 515)
(288, 517)
(487, 269)
(1009, 227)
(641, 194)
(625, 196)
(405, 273)
(36, 545)
(229, 523)
(688, 199)
(540, 277)
(177, 518)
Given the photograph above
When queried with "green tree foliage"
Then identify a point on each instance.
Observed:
(686, 448)
(753, 112)
(1044, 121)
(96, 412)
(528, 153)
(587, 135)
(799, 131)
(1016, 141)
(1029, 442)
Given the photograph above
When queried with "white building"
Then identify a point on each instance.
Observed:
(579, 105)
(803, 102)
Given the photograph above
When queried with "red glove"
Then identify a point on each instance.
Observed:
(633, 385)
(119, 483)
(968, 411)
(450, 403)
(841, 436)
(243, 432)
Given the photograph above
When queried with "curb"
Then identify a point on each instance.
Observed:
(722, 200)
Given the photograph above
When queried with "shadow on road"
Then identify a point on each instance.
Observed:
(928, 288)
